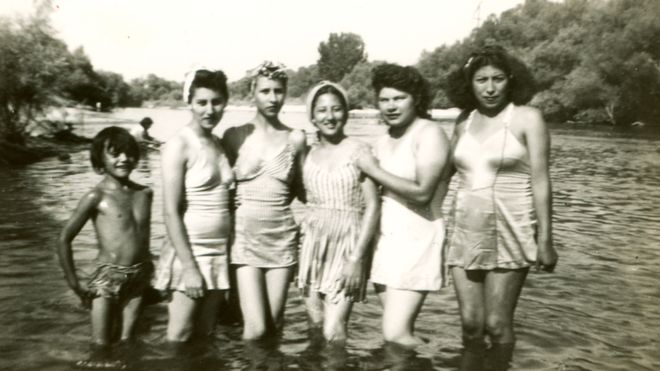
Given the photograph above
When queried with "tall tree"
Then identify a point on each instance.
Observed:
(339, 54)
(358, 85)
(302, 80)
(31, 63)
(594, 61)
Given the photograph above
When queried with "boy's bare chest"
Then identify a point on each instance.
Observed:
(129, 208)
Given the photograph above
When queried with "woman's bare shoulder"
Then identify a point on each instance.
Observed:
(298, 138)
(529, 118)
(461, 121)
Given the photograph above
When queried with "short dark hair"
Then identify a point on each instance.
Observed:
(117, 139)
(329, 89)
(146, 121)
(520, 88)
(406, 79)
(214, 80)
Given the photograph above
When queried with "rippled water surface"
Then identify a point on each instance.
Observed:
(600, 310)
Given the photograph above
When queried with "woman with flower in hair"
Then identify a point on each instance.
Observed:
(266, 155)
(193, 267)
(412, 156)
(502, 209)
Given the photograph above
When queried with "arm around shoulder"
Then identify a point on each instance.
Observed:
(433, 156)
(431, 150)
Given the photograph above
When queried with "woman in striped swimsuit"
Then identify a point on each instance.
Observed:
(343, 211)
(265, 154)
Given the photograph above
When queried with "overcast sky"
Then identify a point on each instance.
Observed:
(137, 37)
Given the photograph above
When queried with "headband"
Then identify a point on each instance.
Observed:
(312, 94)
(188, 80)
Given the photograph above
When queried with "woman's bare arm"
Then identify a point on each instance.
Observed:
(173, 163)
(431, 154)
(537, 139)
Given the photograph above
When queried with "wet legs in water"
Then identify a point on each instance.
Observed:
(193, 317)
(487, 301)
(109, 316)
(331, 317)
(400, 310)
(262, 295)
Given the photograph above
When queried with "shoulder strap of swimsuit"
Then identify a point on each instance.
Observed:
(508, 115)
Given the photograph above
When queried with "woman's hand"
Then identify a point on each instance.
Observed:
(366, 162)
(194, 282)
(351, 278)
(547, 257)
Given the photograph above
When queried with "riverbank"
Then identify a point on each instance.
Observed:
(62, 131)
(36, 149)
(54, 134)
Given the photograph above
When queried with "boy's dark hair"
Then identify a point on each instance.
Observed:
(117, 139)
(520, 88)
(406, 79)
(146, 121)
(214, 80)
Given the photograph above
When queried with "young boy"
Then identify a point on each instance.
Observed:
(121, 212)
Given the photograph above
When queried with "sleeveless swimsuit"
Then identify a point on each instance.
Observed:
(494, 219)
(206, 217)
(331, 226)
(266, 235)
(408, 254)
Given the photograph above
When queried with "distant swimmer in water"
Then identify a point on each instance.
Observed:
(121, 212)
(141, 133)
(502, 210)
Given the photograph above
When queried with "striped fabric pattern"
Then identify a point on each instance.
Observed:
(266, 235)
(331, 226)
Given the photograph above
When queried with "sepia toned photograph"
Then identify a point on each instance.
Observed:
(360, 185)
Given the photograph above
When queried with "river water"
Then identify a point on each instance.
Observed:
(600, 310)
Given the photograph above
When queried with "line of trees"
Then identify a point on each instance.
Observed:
(37, 70)
(339, 56)
(595, 61)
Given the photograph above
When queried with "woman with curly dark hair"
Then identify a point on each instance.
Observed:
(407, 261)
(502, 210)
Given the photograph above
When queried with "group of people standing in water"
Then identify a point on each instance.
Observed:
(373, 213)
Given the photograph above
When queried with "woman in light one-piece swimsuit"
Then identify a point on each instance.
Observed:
(407, 261)
(193, 264)
(266, 157)
(502, 222)
(341, 218)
